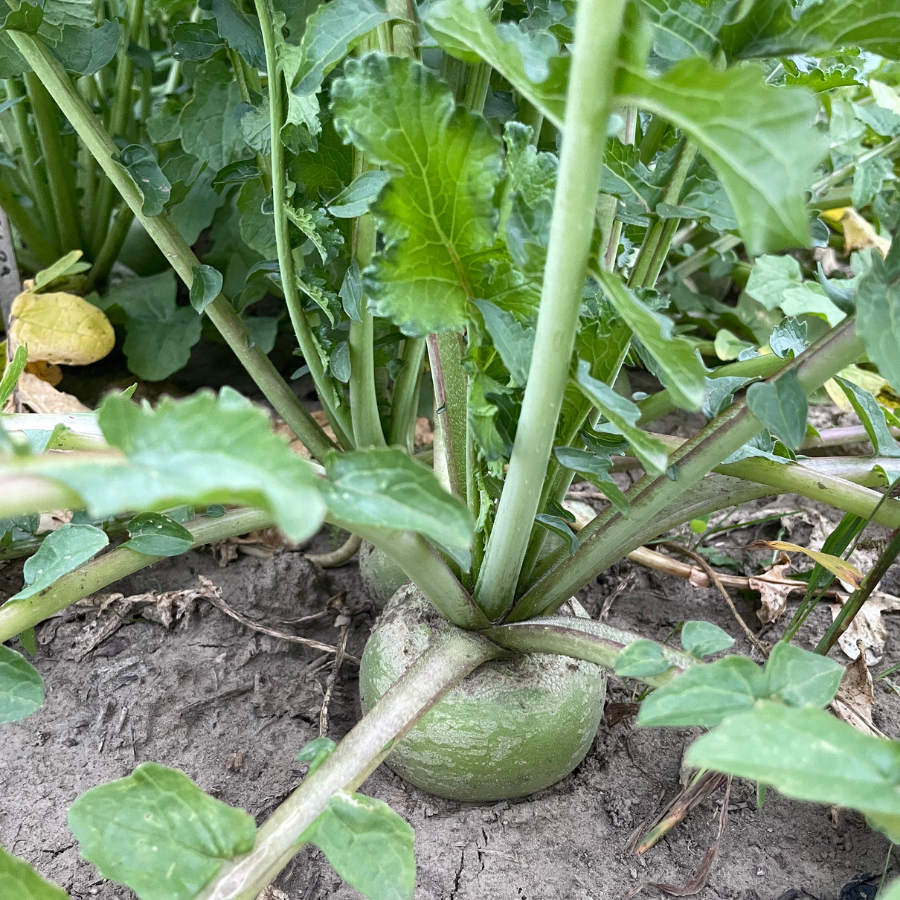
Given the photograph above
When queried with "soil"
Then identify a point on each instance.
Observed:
(232, 707)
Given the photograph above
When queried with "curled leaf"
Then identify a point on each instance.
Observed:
(844, 570)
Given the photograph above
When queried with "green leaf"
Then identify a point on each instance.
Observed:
(141, 165)
(70, 264)
(781, 407)
(11, 373)
(683, 372)
(878, 313)
(238, 30)
(160, 334)
(387, 489)
(209, 129)
(354, 201)
(61, 551)
(195, 451)
(158, 833)
(60, 14)
(437, 211)
(806, 754)
(703, 638)
(705, 695)
(158, 535)
(28, 18)
(195, 41)
(869, 179)
(206, 286)
(683, 28)
(624, 414)
(369, 845)
(719, 392)
(331, 31)
(777, 281)
(759, 139)
(21, 689)
(514, 342)
(561, 528)
(531, 62)
(642, 659)
(340, 362)
(801, 678)
(257, 225)
(595, 468)
(789, 337)
(86, 51)
(872, 417)
(19, 881)
(316, 752)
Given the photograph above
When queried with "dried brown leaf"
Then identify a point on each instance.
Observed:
(867, 626)
(855, 698)
(41, 397)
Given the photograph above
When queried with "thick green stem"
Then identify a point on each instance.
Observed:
(173, 246)
(446, 662)
(60, 175)
(589, 101)
(405, 400)
(34, 169)
(610, 535)
(450, 410)
(29, 230)
(477, 87)
(17, 615)
(112, 244)
(337, 414)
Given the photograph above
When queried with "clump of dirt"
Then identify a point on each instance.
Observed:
(232, 707)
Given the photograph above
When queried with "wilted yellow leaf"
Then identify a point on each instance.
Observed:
(837, 566)
(60, 328)
(858, 233)
(40, 397)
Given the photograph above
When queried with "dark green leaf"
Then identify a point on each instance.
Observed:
(209, 129)
(703, 638)
(206, 286)
(86, 51)
(878, 313)
(340, 362)
(706, 694)
(781, 407)
(236, 173)
(561, 528)
(595, 468)
(61, 551)
(195, 41)
(158, 535)
(11, 373)
(872, 417)
(354, 201)
(351, 292)
(18, 881)
(369, 845)
(141, 165)
(513, 341)
(385, 488)
(238, 30)
(158, 833)
(21, 690)
(28, 18)
(641, 659)
(759, 139)
(801, 678)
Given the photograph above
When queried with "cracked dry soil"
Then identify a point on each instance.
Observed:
(232, 708)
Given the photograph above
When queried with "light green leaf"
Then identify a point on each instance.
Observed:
(316, 752)
(62, 14)
(872, 417)
(801, 678)
(759, 139)
(683, 372)
(206, 286)
(624, 414)
(560, 528)
(11, 373)
(61, 551)
(21, 690)
(19, 881)
(209, 129)
(158, 833)
(331, 31)
(158, 535)
(354, 201)
(878, 313)
(642, 659)
(703, 638)
(340, 362)
(531, 62)
(683, 28)
(369, 845)
(437, 211)
(781, 407)
(789, 337)
(238, 30)
(777, 281)
(195, 451)
(705, 695)
(387, 489)
(141, 165)
(806, 754)
(719, 393)
(513, 341)
(87, 50)
(70, 264)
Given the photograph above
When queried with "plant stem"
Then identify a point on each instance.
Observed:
(588, 104)
(610, 535)
(17, 615)
(59, 173)
(337, 414)
(450, 411)
(34, 168)
(29, 230)
(112, 244)
(856, 600)
(170, 242)
(446, 662)
(405, 400)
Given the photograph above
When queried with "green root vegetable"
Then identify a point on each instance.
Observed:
(381, 576)
(512, 727)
